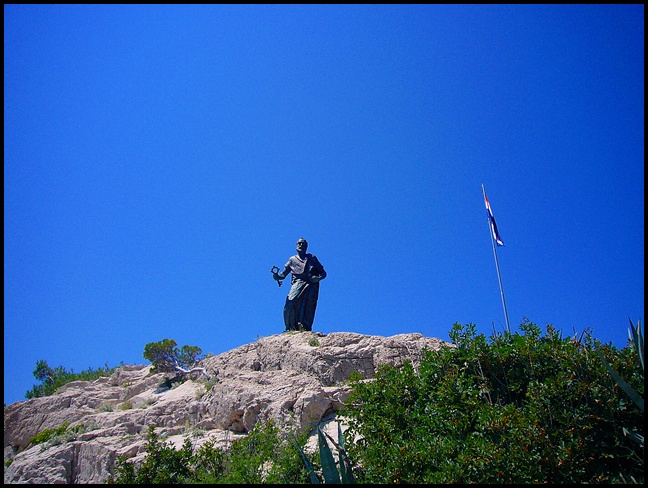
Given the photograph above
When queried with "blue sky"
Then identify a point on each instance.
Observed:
(159, 160)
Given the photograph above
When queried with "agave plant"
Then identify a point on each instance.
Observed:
(636, 337)
(332, 475)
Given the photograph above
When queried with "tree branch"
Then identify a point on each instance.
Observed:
(192, 370)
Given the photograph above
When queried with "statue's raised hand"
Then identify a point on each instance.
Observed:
(275, 275)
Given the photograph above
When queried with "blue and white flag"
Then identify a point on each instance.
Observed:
(491, 220)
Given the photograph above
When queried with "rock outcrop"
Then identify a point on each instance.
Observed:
(296, 379)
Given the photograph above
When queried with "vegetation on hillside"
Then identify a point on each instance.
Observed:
(164, 356)
(167, 358)
(266, 455)
(53, 378)
(514, 408)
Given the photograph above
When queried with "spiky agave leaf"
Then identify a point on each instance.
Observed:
(309, 467)
(637, 340)
(329, 470)
(345, 462)
(636, 336)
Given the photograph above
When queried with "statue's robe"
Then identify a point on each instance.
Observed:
(301, 302)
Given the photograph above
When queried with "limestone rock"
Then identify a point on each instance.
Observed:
(298, 379)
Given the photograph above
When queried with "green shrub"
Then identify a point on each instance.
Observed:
(209, 384)
(162, 465)
(58, 435)
(53, 378)
(264, 456)
(47, 434)
(166, 357)
(514, 408)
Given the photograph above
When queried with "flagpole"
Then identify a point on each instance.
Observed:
(499, 276)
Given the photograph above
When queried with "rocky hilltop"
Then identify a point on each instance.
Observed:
(296, 379)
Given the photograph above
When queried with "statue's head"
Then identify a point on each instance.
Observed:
(302, 244)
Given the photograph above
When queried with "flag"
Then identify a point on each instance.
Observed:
(491, 221)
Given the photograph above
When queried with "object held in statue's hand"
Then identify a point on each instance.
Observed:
(275, 270)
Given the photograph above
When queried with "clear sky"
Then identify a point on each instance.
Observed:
(159, 160)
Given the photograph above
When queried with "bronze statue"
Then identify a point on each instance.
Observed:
(301, 302)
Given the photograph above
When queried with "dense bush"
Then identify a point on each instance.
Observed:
(266, 455)
(514, 408)
(53, 378)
